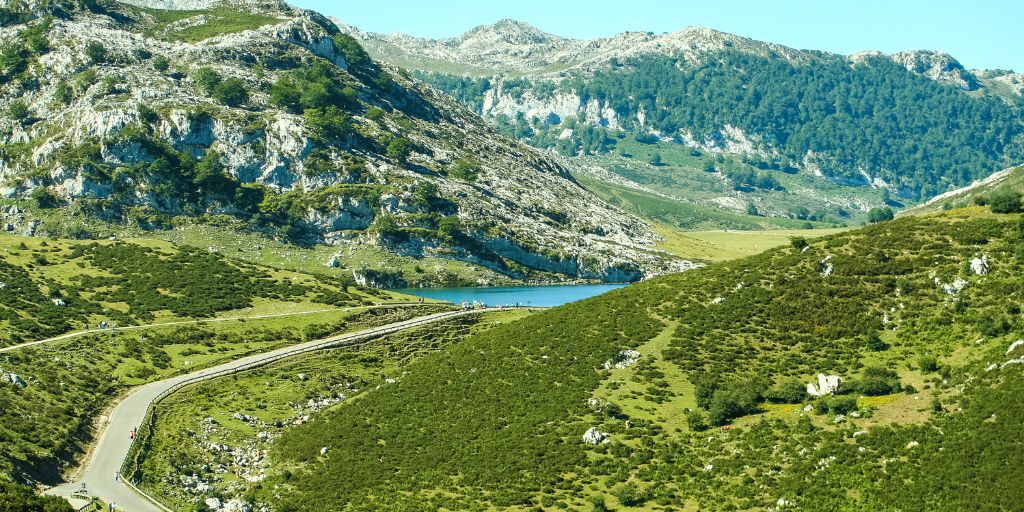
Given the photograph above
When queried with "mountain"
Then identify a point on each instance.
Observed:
(689, 391)
(262, 116)
(914, 124)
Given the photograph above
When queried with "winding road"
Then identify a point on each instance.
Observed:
(98, 476)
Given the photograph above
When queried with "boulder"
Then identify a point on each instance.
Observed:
(334, 262)
(212, 503)
(624, 359)
(980, 266)
(826, 266)
(827, 385)
(594, 436)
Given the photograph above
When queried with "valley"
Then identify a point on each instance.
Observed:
(254, 258)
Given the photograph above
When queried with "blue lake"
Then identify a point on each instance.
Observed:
(554, 295)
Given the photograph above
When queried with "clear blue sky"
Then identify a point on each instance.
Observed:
(981, 34)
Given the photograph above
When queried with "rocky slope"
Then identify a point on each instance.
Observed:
(725, 94)
(263, 112)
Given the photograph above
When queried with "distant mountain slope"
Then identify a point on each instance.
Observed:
(265, 114)
(915, 123)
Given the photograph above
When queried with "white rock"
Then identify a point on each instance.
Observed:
(1014, 345)
(212, 503)
(827, 267)
(827, 385)
(980, 266)
(324, 450)
(624, 359)
(594, 436)
(718, 300)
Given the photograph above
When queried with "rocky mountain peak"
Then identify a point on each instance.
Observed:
(938, 66)
(507, 31)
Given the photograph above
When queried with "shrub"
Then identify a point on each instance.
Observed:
(1005, 200)
(354, 54)
(96, 52)
(875, 343)
(206, 79)
(928, 363)
(18, 110)
(231, 92)
(876, 215)
(789, 391)
(798, 242)
(327, 124)
(375, 113)
(399, 149)
(465, 169)
(160, 63)
(696, 420)
(45, 198)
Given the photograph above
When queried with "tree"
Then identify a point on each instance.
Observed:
(231, 92)
(876, 215)
(448, 228)
(96, 52)
(928, 363)
(206, 79)
(354, 54)
(18, 110)
(1005, 200)
(45, 198)
(399, 149)
(465, 169)
(327, 124)
(798, 242)
(160, 63)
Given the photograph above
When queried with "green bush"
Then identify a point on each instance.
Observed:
(96, 52)
(1005, 200)
(928, 363)
(399, 149)
(161, 64)
(328, 124)
(352, 51)
(231, 92)
(465, 169)
(18, 110)
(206, 79)
(45, 198)
(882, 214)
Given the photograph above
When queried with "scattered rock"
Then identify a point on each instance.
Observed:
(980, 266)
(827, 385)
(212, 503)
(303, 377)
(1014, 345)
(594, 436)
(624, 359)
(59, 302)
(826, 267)
(718, 300)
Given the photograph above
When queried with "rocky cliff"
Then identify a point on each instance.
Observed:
(268, 114)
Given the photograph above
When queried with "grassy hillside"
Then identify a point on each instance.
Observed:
(273, 399)
(50, 287)
(175, 308)
(498, 420)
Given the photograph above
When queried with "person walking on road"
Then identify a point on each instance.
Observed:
(117, 477)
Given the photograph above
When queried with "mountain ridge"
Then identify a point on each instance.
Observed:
(269, 115)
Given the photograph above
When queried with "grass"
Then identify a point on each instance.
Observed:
(694, 199)
(512, 402)
(204, 24)
(714, 246)
(277, 398)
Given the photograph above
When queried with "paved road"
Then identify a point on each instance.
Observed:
(114, 441)
(76, 334)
